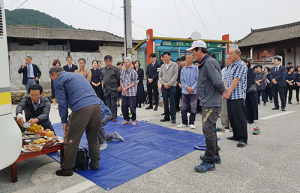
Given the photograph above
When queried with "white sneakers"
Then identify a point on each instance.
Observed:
(182, 125)
(56, 106)
(192, 126)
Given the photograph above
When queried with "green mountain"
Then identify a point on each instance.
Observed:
(33, 18)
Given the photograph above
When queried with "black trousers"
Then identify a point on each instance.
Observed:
(209, 120)
(269, 93)
(129, 102)
(297, 93)
(111, 102)
(177, 97)
(237, 118)
(275, 90)
(289, 89)
(150, 87)
(169, 94)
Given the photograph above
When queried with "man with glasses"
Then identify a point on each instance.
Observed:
(36, 108)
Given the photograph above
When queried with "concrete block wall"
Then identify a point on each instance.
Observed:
(43, 59)
(116, 52)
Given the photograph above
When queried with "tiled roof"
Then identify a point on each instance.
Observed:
(30, 32)
(271, 34)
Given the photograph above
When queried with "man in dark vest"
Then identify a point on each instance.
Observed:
(152, 78)
(70, 67)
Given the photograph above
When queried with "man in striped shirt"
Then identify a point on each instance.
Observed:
(129, 80)
(189, 80)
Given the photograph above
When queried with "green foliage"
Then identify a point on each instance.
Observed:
(33, 18)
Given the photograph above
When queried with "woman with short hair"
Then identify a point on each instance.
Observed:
(140, 87)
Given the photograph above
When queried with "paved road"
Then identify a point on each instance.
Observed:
(270, 163)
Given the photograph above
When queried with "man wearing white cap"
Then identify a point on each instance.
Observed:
(210, 89)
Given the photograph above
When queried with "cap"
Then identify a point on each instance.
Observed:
(199, 43)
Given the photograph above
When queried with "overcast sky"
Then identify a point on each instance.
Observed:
(238, 16)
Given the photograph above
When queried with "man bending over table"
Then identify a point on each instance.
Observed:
(36, 108)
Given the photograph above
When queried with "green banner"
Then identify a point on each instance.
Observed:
(188, 44)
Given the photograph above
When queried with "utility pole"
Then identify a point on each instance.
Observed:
(127, 29)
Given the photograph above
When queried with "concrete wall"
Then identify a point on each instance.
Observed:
(116, 51)
(293, 57)
(43, 59)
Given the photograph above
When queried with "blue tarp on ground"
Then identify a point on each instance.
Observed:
(147, 146)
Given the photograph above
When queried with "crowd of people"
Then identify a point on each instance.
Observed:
(195, 81)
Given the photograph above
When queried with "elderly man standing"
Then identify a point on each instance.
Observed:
(236, 82)
(74, 91)
(129, 80)
(210, 88)
(224, 113)
(110, 76)
(189, 80)
(31, 73)
(167, 78)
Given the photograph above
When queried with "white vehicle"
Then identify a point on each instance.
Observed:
(10, 134)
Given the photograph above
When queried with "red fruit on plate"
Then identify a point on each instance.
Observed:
(47, 130)
(39, 132)
(43, 133)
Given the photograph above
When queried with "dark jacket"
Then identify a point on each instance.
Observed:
(297, 77)
(36, 72)
(269, 77)
(251, 76)
(289, 77)
(42, 112)
(279, 75)
(261, 76)
(179, 74)
(95, 76)
(152, 72)
(72, 90)
(67, 69)
(210, 84)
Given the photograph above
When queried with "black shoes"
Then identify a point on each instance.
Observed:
(173, 122)
(64, 172)
(290, 102)
(164, 120)
(265, 103)
(94, 164)
(275, 108)
(250, 122)
(163, 114)
(231, 138)
(241, 144)
(149, 107)
(283, 108)
(155, 108)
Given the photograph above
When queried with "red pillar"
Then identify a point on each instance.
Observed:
(226, 37)
(149, 35)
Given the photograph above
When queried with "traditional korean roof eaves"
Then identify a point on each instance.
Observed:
(31, 32)
(271, 34)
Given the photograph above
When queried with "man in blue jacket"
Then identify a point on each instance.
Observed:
(210, 88)
(278, 80)
(31, 73)
(74, 91)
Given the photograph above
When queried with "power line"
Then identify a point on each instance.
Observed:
(201, 19)
(112, 7)
(218, 16)
(66, 9)
(13, 4)
(198, 19)
(118, 16)
(10, 3)
(21, 4)
(179, 18)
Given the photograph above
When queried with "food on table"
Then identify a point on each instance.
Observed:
(50, 141)
(33, 148)
(35, 128)
(38, 141)
(50, 134)
(30, 136)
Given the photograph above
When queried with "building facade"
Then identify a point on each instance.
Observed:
(47, 44)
